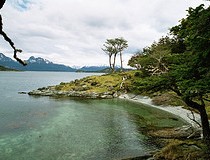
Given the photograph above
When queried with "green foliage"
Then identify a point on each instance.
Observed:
(185, 58)
(153, 60)
(112, 47)
(193, 71)
(179, 150)
(98, 84)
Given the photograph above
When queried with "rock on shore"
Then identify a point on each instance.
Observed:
(51, 91)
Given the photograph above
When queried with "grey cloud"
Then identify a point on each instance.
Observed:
(73, 31)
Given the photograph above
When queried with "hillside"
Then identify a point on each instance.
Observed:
(6, 69)
(105, 86)
(34, 64)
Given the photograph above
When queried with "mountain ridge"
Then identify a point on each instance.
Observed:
(41, 64)
(34, 64)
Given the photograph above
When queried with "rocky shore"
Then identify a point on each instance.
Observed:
(108, 87)
(191, 130)
(94, 87)
(52, 92)
(179, 111)
(113, 86)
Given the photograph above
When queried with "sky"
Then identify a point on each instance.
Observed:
(72, 32)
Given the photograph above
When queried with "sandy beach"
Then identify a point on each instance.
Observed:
(178, 110)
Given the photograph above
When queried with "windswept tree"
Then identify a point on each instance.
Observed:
(111, 50)
(188, 67)
(121, 45)
(153, 60)
(193, 75)
(8, 39)
(112, 47)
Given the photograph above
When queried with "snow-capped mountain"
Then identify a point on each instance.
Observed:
(40, 64)
(3, 58)
(40, 60)
(92, 68)
(34, 64)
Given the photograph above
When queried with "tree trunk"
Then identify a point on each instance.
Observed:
(205, 125)
(204, 118)
(110, 62)
(114, 62)
(121, 61)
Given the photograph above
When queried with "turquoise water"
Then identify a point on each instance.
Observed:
(73, 129)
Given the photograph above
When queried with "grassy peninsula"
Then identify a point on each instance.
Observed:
(115, 84)
(118, 83)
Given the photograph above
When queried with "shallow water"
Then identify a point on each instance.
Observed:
(74, 129)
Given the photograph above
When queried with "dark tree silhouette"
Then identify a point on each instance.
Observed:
(8, 39)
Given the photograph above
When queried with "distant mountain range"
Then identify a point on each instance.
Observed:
(40, 64)
(93, 69)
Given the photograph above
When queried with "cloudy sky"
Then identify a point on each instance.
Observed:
(72, 32)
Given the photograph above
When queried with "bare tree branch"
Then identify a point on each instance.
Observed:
(193, 119)
(9, 40)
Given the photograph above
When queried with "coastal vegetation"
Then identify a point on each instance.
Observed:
(108, 84)
(180, 64)
(172, 71)
(104, 86)
(175, 70)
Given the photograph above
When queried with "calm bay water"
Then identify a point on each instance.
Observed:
(73, 129)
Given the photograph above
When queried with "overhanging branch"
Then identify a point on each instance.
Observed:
(11, 44)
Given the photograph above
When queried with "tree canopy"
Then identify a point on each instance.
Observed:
(182, 61)
(112, 47)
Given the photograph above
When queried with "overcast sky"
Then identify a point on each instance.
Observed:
(72, 32)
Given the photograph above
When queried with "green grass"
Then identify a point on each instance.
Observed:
(183, 149)
(175, 149)
(111, 83)
(98, 84)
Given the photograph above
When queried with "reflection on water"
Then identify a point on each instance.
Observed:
(75, 129)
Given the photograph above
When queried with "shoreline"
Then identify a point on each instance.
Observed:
(178, 111)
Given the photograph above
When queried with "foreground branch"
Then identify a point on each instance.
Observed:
(11, 44)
